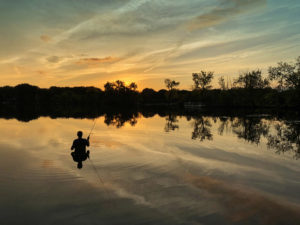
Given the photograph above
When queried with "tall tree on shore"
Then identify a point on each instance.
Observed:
(222, 83)
(202, 80)
(171, 84)
(287, 75)
(109, 86)
(120, 86)
(251, 80)
(132, 86)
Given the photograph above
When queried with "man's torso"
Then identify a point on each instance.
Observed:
(80, 145)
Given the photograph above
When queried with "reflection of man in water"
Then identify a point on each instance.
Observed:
(80, 154)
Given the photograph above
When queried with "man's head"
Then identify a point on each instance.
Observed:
(79, 134)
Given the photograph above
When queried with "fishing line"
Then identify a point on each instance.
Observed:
(108, 195)
(94, 167)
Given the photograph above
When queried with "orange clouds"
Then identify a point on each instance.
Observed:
(95, 61)
(230, 9)
(45, 38)
(41, 72)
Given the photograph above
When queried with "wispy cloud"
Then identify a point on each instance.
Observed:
(45, 38)
(41, 72)
(54, 59)
(225, 11)
(95, 61)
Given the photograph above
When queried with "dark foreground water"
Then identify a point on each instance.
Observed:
(156, 170)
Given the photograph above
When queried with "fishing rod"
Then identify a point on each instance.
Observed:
(95, 121)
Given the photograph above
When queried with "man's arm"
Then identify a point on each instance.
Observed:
(73, 145)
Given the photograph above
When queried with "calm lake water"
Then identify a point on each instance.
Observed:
(155, 170)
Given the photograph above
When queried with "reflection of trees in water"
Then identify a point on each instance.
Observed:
(280, 135)
(250, 129)
(286, 138)
(202, 130)
(201, 125)
(171, 121)
(225, 124)
(119, 120)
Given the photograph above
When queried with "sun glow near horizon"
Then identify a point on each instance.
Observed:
(90, 43)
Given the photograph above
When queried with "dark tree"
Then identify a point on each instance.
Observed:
(202, 80)
(109, 86)
(120, 86)
(222, 83)
(287, 75)
(132, 86)
(251, 80)
(171, 84)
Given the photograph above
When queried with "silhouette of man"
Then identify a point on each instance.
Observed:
(80, 154)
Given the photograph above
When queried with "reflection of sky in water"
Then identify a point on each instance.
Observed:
(150, 176)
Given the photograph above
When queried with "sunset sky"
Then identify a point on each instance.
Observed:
(88, 42)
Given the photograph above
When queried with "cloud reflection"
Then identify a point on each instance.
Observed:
(242, 204)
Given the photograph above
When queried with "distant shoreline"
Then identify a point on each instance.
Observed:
(67, 98)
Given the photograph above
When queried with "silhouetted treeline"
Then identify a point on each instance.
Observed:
(28, 96)
(249, 89)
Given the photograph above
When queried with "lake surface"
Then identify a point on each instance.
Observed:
(151, 170)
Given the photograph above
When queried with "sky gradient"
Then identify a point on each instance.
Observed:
(88, 42)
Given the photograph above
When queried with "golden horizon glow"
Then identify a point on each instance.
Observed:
(90, 43)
